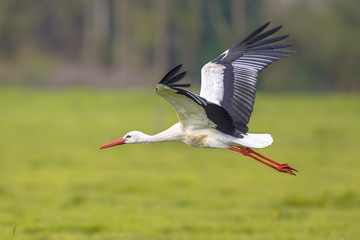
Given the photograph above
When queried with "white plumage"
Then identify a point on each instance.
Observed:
(212, 85)
(218, 117)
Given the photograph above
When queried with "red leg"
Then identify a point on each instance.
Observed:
(268, 159)
(281, 167)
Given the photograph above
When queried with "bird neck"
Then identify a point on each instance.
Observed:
(170, 134)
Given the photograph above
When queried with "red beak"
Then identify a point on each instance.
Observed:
(114, 143)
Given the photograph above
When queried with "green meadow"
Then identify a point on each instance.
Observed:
(56, 184)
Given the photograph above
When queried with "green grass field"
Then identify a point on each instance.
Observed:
(55, 184)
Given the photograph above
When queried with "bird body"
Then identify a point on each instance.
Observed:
(200, 138)
(218, 117)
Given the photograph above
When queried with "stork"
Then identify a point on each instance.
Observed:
(218, 117)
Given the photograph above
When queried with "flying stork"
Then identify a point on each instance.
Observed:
(218, 117)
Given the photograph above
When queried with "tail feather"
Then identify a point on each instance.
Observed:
(256, 140)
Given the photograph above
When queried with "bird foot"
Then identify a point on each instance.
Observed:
(284, 167)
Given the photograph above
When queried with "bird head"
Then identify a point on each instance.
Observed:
(131, 138)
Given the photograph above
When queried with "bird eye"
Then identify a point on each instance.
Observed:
(127, 136)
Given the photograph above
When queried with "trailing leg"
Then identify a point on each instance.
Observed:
(281, 167)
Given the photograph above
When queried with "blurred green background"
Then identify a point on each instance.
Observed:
(75, 75)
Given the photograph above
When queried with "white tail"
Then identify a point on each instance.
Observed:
(256, 140)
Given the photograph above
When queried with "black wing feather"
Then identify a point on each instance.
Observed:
(254, 33)
(176, 78)
(267, 41)
(170, 74)
(264, 35)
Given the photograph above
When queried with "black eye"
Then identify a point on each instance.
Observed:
(127, 136)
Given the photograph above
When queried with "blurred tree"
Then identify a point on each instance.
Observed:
(161, 46)
(325, 34)
(96, 30)
(130, 40)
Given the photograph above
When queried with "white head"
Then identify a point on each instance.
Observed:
(129, 138)
(135, 137)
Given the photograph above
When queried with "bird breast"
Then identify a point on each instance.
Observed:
(196, 140)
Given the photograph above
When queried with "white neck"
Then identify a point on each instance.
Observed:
(170, 134)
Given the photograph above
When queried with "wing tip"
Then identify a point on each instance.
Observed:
(266, 24)
(170, 75)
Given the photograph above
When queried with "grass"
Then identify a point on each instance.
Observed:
(55, 184)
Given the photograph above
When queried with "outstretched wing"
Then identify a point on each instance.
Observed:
(193, 111)
(230, 79)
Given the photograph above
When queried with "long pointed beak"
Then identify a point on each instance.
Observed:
(113, 143)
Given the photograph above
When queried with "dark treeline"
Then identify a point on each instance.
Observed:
(134, 42)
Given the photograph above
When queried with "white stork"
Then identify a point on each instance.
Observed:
(218, 117)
